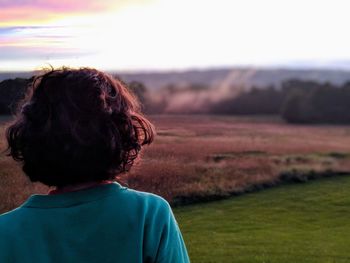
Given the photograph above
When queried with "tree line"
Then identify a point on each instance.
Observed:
(296, 101)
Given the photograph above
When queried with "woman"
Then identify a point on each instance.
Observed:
(77, 130)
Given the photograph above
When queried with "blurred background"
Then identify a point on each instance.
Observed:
(288, 58)
(246, 95)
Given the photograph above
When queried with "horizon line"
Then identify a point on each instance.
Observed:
(203, 68)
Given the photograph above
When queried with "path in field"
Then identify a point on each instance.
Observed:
(295, 223)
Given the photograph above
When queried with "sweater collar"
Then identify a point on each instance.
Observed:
(82, 187)
(67, 199)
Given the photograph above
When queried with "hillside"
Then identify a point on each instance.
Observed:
(222, 78)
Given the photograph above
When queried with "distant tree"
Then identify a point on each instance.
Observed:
(297, 101)
(292, 109)
(149, 102)
(311, 102)
(290, 85)
(139, 89)
(11, 92)
(266, 100)
(331, 103)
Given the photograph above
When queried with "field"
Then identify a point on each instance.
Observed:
(201, 158)
(198, 158)
(295, 223)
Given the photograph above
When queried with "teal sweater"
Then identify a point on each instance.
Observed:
(106, 223)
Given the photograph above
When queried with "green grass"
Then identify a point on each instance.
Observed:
(296, 223)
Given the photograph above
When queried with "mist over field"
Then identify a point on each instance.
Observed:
(247, 77)
(220, 91)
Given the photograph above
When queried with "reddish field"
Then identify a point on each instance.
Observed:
(197, 158)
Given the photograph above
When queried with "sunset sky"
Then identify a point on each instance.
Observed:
(173, 34)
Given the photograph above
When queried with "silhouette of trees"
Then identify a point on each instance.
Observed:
(13, 90)
(323, 103)
(139, 89)
(256, 101)
(296, 101)
(292, 108)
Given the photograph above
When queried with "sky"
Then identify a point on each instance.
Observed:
(173, 34)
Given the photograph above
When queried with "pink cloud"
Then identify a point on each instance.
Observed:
(43, 10)
(60, 6)
(25, 14)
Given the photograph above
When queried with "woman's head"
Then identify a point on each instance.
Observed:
(77, 126)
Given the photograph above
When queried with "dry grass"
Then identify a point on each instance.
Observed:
(196, 158)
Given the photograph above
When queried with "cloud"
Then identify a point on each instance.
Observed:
(40, 43)
(38, 36)
(13, 30)
(9, 53)
(33, 12)
(31, 9)
(62, 5)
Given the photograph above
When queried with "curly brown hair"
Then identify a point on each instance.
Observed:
(77, 126)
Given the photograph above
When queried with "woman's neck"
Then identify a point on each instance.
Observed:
(77, 187)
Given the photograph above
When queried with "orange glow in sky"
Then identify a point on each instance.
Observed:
(168, 34)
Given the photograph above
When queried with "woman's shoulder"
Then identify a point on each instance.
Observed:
(8, 220)
(146, 198)
(150, 204)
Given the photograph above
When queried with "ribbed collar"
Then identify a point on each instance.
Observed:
(74, 198)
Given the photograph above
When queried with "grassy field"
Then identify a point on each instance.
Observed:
(202, 158)
(295, 223)
(198, 158)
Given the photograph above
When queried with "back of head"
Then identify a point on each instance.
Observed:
(77, 126)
